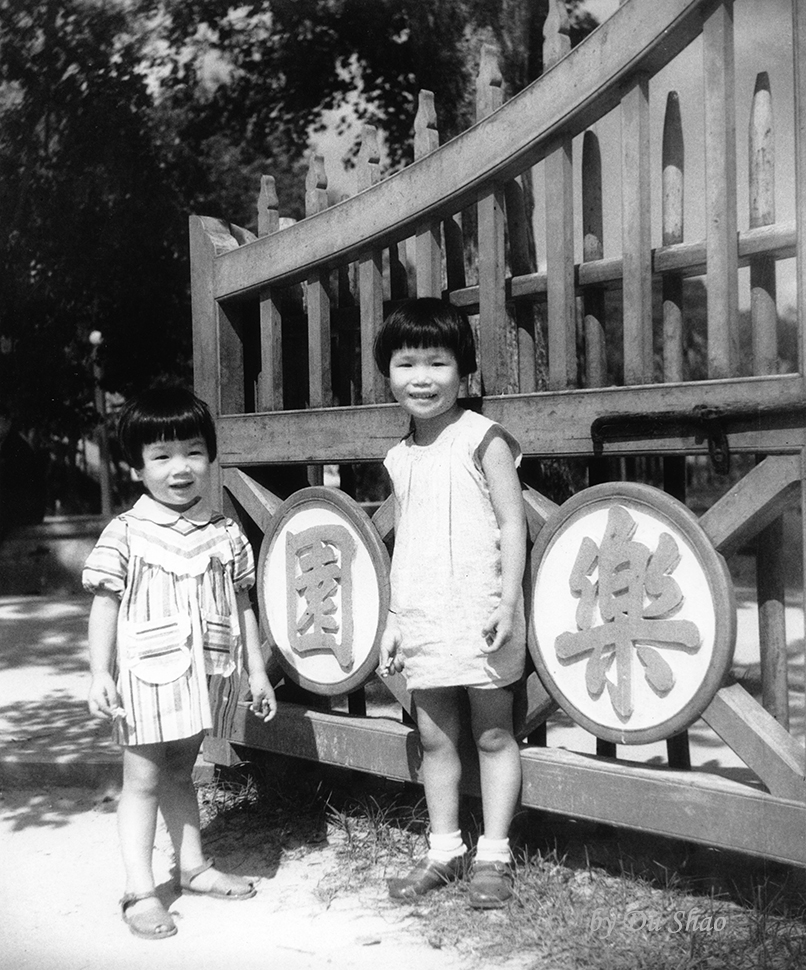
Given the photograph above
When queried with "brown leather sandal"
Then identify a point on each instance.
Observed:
(156, 924)
(217, 890)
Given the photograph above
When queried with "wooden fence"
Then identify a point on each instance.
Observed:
(588, 360)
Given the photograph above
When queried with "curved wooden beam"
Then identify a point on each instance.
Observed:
(583, 86)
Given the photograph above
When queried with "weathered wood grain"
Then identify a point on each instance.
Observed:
(753, 502)
(694, 806)
(548, 423)
(257, 501)
(760, 741)
(720, 190)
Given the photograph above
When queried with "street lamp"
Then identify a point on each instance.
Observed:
(96, 339)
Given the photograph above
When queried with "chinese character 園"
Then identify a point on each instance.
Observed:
(319, 578)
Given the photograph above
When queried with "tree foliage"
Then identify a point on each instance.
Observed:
(118, 118)
(285, 63)
(90, 240)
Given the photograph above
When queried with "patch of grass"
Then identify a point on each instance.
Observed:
(586, 896)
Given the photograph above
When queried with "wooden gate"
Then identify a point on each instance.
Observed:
(613, 332)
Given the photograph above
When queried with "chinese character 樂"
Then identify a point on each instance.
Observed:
(637, 597)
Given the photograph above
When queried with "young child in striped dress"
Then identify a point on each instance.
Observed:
(170, 580)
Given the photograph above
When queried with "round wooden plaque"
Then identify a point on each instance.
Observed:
(633, 621)
(323, 588)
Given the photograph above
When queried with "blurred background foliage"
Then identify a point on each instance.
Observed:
(119, 118)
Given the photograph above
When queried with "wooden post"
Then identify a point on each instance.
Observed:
(521, 263)
(370, 274)
(672, 219)
(454, 253)
(269, 391)
(636, 238)
(770, 581)
(347, 369)
(208, 238)
(798, 48)
(593, 248)
(720, 191)
(427, 237)
(492, 269)
(560, 296)
(593, 311)
(673, 182)
(319, 370)
(593, 297)
(674, 467)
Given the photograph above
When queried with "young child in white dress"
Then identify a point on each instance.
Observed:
(170, 580)
(456, 623)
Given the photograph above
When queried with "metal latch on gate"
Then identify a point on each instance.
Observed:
(702, 422)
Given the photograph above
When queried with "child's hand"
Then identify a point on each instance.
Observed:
(264, 703)
(390, 662)
(103, 698)
(498, 629)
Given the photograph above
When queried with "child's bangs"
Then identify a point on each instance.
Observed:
(427, 334)
(164, 414)
(172, 427)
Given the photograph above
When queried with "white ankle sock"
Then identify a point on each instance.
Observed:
(445, 846)
(492, 850)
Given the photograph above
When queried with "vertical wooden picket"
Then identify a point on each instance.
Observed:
(720, 190)
(370, 273)
(491, 259)
(522, 262)
(318, 300)
(561, 295)
(428, 249)
(672, 218)
(269, 391)
(771, 585)
(593, 248)
(636, 238)
(317, 290)
(672, 221)
(798, 47)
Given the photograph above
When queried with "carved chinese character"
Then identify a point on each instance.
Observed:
(636, 596)
(319, 578)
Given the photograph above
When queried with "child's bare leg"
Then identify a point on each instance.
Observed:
(178, 802)
(500, 769)
(439, 725)
(137, 822)
(180, 809)
(438, 722)
(499, 758)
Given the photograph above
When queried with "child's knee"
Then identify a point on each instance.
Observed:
(494, 739)
(141, 778)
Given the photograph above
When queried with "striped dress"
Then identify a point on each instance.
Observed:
(176, 575)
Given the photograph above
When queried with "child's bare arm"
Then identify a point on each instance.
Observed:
(390, 660)
(505, 493)
(103, 697)
(264, 703)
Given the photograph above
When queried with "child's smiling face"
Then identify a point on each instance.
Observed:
(425, 381)
(176, 473)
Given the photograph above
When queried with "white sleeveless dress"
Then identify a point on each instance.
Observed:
(446, 567)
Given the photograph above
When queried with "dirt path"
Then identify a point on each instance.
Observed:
(61, 878)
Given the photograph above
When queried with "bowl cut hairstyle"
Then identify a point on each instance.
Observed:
(164, 413)
(426, 322)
